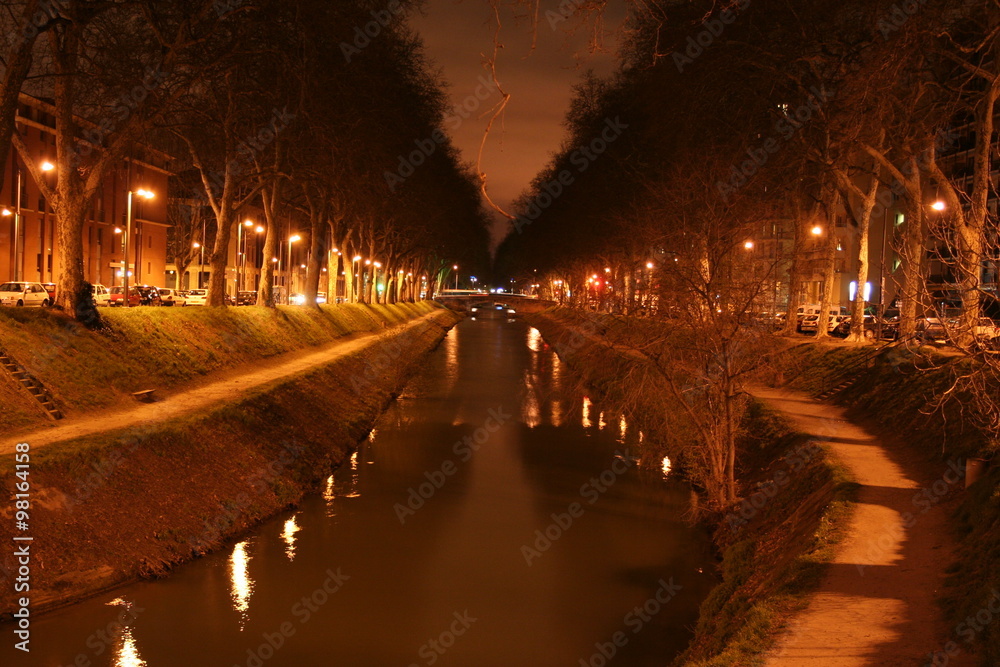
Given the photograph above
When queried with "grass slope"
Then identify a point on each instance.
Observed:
(142, 348)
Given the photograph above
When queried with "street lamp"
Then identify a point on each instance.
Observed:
(748, 245)
(291, 240)
(455, 269)
(145, 194)
(201, 262)
(241, 256)
(938, 205)
(816, 231)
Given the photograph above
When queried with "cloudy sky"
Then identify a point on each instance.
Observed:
(459, 37)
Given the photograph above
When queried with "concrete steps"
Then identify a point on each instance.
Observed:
(31, 385)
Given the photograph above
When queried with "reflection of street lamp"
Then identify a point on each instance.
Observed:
(145, 194)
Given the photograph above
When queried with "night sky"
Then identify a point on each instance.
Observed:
(458, 33)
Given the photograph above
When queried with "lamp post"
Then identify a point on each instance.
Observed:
(291, 240)
(17, 228)
(145, 194)
(455, 269)
(241, 256)
(201, 264)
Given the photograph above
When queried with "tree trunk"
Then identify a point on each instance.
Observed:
(829, 268)
(864, 227)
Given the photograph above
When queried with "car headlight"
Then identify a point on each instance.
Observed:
(511, 311)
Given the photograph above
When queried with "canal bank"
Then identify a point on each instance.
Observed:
(773, 547)
(133, 502)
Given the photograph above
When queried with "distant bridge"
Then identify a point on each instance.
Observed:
(519, 302)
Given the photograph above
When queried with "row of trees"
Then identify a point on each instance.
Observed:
(745, 124)
(322, 113)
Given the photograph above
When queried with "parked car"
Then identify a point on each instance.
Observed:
(171, 297)
(986, 330)
(150, 296)
(804, 312)
(51, 289)
(320, 297)
(102, 297)
(873, 325)
(24, 294)
(810, 323)
(246, 298)
(116, 296)
(197, 297)
(931, 329)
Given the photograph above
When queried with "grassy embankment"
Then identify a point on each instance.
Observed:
(130, 503)
(162, 348)
(773, 551)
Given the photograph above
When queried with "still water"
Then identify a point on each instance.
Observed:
(495, 516)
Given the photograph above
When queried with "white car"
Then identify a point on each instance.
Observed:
(171, 297)
(23, 294)
(101, 296)
(196, 297)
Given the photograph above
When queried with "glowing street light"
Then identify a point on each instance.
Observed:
(649, 265)
(938, 205)
(145, 194)
(816, 231)
(48, 166)
(748, 245)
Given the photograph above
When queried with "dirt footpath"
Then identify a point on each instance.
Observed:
(877, 603)
(220, 387)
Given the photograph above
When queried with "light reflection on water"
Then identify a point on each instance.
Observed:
(126, 653)
(288, 535)
(241, 585)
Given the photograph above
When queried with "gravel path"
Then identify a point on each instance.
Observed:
(877, 603)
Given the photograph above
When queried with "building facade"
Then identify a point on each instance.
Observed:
(28, 240)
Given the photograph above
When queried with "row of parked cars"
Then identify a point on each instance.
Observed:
(42, 295)
(928, 329)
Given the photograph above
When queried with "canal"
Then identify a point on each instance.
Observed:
(494, 516)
